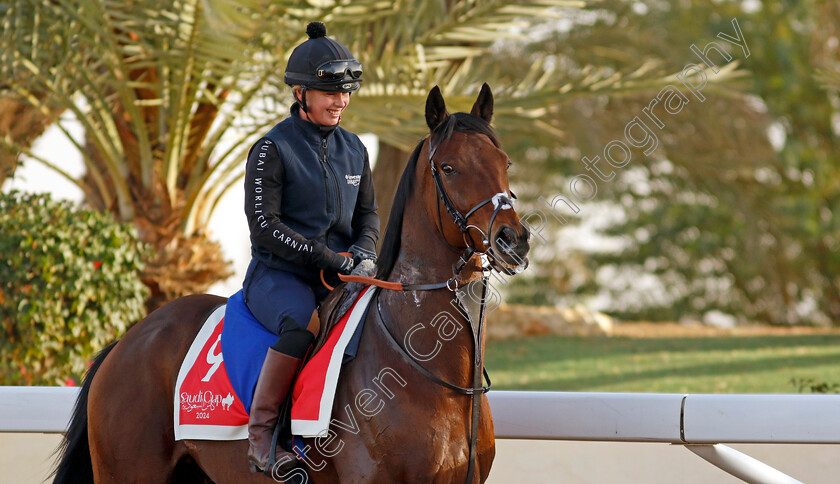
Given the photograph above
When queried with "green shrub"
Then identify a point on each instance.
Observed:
(68, 286)
(814, 386)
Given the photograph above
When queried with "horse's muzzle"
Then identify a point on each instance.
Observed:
(510, 249)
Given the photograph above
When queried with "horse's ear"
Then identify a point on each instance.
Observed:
(435, 108)
(483, 107)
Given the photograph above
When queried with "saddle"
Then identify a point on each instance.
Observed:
(339, 301)
(335, 305)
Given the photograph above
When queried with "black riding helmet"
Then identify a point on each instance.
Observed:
(323, 64)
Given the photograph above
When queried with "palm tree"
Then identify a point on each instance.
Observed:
(160, 90)
(459, 46)
(20, 124)
(171, 94)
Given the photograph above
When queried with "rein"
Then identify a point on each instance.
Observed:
(479, 371)
(500, 201)
(396, 286)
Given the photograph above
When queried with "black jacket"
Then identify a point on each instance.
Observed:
(308, 194)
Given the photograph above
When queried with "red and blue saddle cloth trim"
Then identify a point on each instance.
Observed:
(245, 343)
(215, 385)
(205, 405)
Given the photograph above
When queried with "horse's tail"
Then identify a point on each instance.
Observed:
(75, 465)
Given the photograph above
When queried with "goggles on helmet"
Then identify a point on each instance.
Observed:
(337, 70)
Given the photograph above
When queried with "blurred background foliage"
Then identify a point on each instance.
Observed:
(69, 285)
(734, 213)
(171, 94)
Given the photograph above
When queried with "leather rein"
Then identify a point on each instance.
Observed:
(500, 201)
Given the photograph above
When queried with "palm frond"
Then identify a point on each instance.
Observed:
(147, 79)
(526, 103)
(829, 78)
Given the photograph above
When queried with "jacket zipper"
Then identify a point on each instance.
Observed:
(331, 186)
(326, 177)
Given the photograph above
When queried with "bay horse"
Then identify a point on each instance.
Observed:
(397, 416)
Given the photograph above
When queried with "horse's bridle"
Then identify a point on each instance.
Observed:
(479, 371)
(500, 202)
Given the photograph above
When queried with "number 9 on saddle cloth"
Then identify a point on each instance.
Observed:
(271, 310)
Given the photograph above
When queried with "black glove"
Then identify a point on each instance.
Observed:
(360, 254)
(340, 263)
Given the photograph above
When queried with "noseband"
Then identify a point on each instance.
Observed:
(500, 202)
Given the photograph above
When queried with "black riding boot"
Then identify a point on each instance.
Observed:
(276, 377)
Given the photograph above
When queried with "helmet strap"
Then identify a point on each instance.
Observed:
(302, 100)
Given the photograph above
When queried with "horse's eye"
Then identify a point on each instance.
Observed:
(447, 169)
(508, 165)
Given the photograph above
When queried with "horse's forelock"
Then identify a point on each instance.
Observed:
(464, 123)
(458, 122)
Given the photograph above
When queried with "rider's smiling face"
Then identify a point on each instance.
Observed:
(324, 108)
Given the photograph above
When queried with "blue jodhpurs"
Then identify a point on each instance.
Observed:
(274, 296)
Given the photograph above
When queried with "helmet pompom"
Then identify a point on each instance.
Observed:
(337, 70)
(316, 29)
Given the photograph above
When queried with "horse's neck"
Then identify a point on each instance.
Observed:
(425, 257)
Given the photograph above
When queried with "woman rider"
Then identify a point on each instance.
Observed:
(308, 196)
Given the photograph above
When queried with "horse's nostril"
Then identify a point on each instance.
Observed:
(506, 239)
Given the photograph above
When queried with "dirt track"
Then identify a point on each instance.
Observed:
(24, 459)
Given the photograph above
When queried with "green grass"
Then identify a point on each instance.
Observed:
(734, 364)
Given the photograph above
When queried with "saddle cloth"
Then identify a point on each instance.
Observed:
(216, 382)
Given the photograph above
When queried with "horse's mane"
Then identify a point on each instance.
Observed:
(458, 122)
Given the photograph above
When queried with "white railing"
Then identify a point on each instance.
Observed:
(36, 409)
(698, 422)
